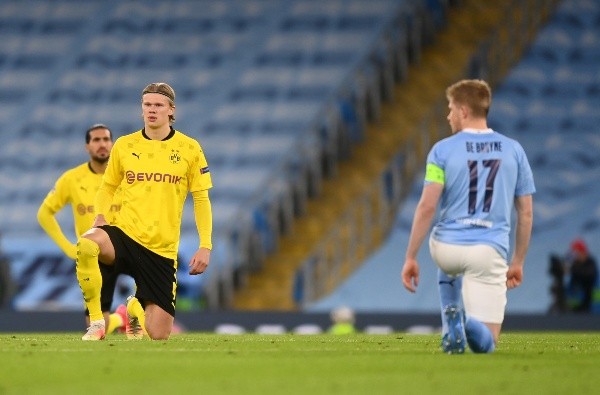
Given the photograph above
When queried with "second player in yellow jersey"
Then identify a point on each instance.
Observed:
(77, 187)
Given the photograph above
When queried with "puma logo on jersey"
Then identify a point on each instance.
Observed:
(136, 155)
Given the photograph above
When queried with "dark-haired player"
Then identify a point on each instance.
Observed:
(77, 187)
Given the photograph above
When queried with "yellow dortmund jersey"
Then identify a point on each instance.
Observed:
(78, 187)
(155, 178)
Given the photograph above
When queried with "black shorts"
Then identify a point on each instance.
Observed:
(154, 275)
(109, 283)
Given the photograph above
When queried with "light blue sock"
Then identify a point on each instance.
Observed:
(479, 336)
(450, 293)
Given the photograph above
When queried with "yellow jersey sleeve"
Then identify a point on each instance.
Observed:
(51, 226)
(59, 196)
(77, 187)
(203, 217)
(103, 203)
(199, 172)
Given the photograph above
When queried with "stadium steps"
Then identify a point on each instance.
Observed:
(442, 63)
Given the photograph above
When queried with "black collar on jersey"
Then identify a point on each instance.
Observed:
(171, 133)
(90, 167)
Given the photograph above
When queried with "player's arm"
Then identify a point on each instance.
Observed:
(203, 217)
(103, 202)
(110, 182)
(48, 222)
(423, 217)
(524, 207)
(55, 201)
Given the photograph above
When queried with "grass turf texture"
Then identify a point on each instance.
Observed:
(201, 363)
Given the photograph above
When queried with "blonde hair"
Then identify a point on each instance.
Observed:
(475, 94)
(164, 89)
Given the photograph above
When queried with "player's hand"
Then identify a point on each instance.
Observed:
(99, 221)
(410, 275)
(199, 261)
(514, 276)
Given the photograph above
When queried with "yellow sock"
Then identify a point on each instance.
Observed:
(114, 321)
(134, 308)
(89, 277)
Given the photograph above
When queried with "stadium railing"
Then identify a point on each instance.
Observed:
(329, 263)
(75, 70)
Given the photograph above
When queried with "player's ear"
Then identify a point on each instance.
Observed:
(464, 111)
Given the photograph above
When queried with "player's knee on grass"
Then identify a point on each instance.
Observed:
(479, 337)
(159, 323)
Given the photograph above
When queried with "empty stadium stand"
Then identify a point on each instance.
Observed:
(548, 103)
(277, 92)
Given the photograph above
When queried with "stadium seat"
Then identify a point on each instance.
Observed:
(548, 102)
(276, 92)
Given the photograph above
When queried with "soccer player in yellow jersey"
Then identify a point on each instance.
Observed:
(156, 168)
(78, 187)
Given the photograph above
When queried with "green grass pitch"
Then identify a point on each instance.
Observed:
(203, 363)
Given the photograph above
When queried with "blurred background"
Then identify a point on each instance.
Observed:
(315, 117)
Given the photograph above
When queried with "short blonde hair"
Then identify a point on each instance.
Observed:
(164, 89)
(475, 94)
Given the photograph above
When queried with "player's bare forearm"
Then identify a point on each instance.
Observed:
(423, 217)
(421, 223)
(524, 207)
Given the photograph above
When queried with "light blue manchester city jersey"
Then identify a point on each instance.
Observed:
(482, 173)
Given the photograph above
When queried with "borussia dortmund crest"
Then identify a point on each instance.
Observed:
(175, 157)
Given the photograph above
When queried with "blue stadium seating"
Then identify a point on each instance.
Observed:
(549, 103)
(275, 91)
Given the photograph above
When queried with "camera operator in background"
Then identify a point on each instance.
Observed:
(557, 288)
(7, 285)
(574, 279)
(583, 277)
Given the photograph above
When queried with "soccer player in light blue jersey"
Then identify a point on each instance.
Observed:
(477, 176)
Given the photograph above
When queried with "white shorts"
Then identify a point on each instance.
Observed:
(484, 277)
